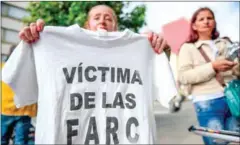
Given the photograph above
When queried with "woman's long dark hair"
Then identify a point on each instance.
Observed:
(193, 37)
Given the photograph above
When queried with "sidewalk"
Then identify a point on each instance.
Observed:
(172, 128)
(159, 109)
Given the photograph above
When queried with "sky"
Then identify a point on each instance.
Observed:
(159, 13)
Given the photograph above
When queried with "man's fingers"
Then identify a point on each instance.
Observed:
(150, 36)
(21, 34)
(162, 46)
(40, 25)
(34, 32)
(25, 39)
(27, 33)
(154, 41)
(158, 44)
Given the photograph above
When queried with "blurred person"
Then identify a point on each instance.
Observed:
(208, 94)
(15, 122)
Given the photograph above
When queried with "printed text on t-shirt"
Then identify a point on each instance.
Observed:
(86, 100)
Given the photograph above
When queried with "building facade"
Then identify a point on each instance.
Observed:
(12, 14)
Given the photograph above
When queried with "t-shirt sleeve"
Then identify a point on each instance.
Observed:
(164, 86)
(20, 74)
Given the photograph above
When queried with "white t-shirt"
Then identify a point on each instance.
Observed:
(90, 87)
(213, 46)
(164, 83)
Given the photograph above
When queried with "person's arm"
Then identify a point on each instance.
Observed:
(190, 74)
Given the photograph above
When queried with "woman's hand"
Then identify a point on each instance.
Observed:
(223, 65)
(30, 33)
(157, 41)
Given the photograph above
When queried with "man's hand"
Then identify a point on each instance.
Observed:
(157, 42)
(30, 33)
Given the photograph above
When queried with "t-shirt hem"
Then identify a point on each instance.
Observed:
(17, 101)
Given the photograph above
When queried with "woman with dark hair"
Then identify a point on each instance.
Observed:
(203, 66)
(194, 33)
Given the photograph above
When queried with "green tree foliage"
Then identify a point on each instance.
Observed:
(66, 13)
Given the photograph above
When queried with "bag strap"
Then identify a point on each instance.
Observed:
(218, 76)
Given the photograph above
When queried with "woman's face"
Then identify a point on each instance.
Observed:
(101, 17)
(204, 23)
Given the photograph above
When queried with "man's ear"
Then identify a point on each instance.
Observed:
(115, 26)
(86, 25)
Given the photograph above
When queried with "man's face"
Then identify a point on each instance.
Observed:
(101, 17)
